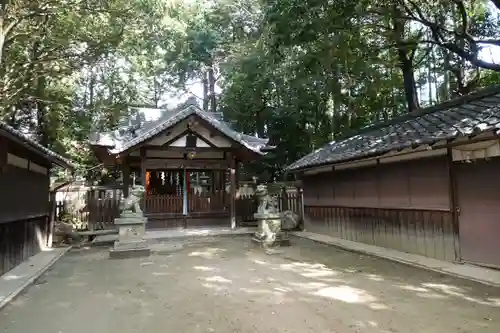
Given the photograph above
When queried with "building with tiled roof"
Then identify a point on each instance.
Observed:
(425, 182)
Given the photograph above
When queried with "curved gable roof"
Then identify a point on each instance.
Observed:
(136, 132)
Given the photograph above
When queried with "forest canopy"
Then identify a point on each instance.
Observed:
(301, 73)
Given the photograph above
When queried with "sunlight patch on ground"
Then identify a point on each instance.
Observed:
(11, 277)
(345, 294)
(161, 273)
(374, 277)
(308, 285)
(208, 253)
(377, 306)
(218, 279)
(459, 292)
(414, 288)
(309, 270)
(260, 291)
(204, 268)
(260, 262)
(366, 324)
(213, 286)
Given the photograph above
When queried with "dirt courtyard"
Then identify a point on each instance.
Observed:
(226, 285)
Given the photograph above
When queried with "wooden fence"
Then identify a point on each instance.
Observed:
(287, 200)
(98, 213)
(102, 207)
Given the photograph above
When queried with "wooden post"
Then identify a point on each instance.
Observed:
(284, 199)
(52, 218)
(300, 205)
(143, 176)
(126, 177)
(232, 177)
(454, 207)
(237, 187)
(3, 153)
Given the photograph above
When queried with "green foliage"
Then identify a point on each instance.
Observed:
(302, 73)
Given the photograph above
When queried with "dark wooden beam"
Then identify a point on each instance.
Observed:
(3, 153)
(143, 168)
(232, 177)
(454, 207)
(183, 149)
(163, 163)
(126, 177)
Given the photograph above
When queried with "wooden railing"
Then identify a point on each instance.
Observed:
(197, 203)
(208, 202)
(158, 204)
(102, 206)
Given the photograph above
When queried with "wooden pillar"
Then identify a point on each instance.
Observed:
(126, 177)
(284, 198)
(3, 153)
(143, 176)
(52, 218)
(232, 177)
(454, 207)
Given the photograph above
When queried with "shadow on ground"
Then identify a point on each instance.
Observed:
(226, 285)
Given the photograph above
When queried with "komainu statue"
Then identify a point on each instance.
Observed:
(131, 204)
(267, 203)
(289, 220)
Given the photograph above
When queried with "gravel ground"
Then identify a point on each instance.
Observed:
(227, 285)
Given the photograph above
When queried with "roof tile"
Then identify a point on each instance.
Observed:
(45, 152)
(475, 113)
(122, 139)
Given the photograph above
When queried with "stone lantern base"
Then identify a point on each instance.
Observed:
(130, 243)
(269, 233)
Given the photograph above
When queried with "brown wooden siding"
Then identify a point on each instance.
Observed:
(423, 232)
(403, 206)
(24, 207)
(19, 241)
(478, 187)
(23, 193)
(421, 184)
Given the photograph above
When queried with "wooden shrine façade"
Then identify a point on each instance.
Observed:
(187, 159)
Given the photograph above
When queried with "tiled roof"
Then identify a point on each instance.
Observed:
(471, 114)
(149, 122)
(23, 139)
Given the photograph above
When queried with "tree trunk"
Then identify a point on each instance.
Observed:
(42, 112)
(211, 88)
(205, 91)
(405, 57)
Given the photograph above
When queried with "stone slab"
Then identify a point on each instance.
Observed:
(119, 221)
(268, 216)
(130, 244)
(22, 276)
(167, 234)
(131, 232)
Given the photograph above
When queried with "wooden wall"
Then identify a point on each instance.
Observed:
(24, 204)
(403, 206)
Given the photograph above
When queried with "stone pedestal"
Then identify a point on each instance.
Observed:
(130, 243)
(267, 225)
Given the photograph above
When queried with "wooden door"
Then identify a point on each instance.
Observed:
(478, 185)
